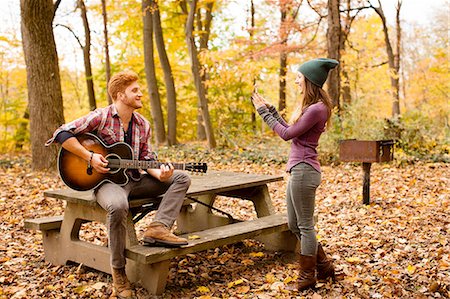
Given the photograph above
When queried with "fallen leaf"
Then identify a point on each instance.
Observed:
(270, 278)
(247, 262)
(411, 269)
(257, 254)
(242, 289)
(434, 287)
(234, 283)
(203, 289)
(99, 285)
(353, 260)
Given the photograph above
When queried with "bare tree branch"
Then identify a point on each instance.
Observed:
(55, 7)
(70, 29)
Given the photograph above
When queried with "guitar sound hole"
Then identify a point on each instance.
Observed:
(113, 164)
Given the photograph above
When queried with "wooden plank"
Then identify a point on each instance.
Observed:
(222, 181)
(212, 182)
(44, 224)
(211, 238)
(84, 197)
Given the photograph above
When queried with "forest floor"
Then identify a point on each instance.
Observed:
(396, 247)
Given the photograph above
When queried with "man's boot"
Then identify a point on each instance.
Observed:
(307, 273)
(121, 285)
(158, 234)
(325, 267)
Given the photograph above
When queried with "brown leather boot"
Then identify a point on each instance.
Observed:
(307, 273)
(325, 267)
(158, 234)
(121, 285)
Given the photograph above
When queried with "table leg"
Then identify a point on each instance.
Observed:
(51, 240)
(72, 248)
(199, 218)
(262, 202)
(260, 197)
(153, 277)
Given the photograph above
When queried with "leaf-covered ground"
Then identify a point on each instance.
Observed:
(397, 247)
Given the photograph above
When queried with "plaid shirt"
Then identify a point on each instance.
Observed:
(107, 125)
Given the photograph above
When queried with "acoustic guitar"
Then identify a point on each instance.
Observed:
(78, 175)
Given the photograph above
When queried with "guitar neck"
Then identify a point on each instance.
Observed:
(140, 164)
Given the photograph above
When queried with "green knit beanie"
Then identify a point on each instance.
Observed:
(316, 70)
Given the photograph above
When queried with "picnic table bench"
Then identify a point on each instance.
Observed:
(196, 222)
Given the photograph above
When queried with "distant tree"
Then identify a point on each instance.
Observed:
(150, 72)
(334, 45)
(43, 80)
(168, 76)
(107, 60)
(289, 11)
(86, 48)
(203, 27)
(347, 21)
(87, 55)
(251, 33)
(393, 58)
(21, 132)
(195, 64)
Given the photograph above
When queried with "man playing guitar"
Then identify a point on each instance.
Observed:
(120, 123)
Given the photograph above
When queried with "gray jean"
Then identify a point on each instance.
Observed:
(300, 201)
(114, 200)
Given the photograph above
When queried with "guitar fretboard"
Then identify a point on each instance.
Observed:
(139, 164)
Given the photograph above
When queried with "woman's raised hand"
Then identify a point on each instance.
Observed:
(259, 101)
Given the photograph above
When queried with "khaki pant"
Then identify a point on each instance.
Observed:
(301, 201)
(114, 199)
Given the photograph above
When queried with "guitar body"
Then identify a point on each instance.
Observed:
(74, 170)
(76, 173)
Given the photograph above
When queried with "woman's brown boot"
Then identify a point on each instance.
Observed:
(307, 273)
(325, 267)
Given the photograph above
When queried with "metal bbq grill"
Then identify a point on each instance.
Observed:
(367, 152)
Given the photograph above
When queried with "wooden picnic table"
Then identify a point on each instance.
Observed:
(150, 265)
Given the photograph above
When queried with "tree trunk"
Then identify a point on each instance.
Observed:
(396, 82)
(345, 82)
(168, 77)
(251, 33)
(334, 34)
(346, 90)
(21, 133)
(393, 59)
(289, 11)
(87, 56)
(283, 63)
(107, 61)
(205, 30)
(43, 80)
(155, 102)
(201, 132)
(282, 84)
(192, 49)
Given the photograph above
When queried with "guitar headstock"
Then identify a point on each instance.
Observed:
(196, 167)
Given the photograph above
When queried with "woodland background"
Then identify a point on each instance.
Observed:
(199, 62)
(199, 68)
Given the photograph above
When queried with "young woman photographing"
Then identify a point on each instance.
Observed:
(306, 126)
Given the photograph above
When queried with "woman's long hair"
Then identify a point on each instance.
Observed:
(312, 94)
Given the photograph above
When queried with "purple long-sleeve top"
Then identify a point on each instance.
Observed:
(305, 133)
